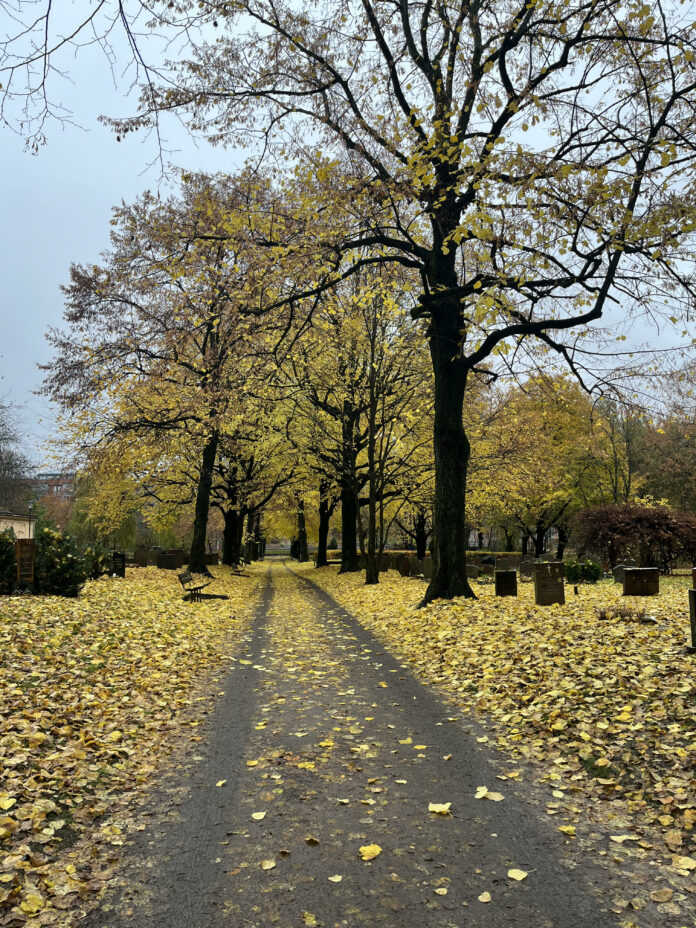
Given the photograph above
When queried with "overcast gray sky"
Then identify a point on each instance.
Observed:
(55, 209)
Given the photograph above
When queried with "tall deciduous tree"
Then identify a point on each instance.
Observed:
(533, 161)
(162, 337)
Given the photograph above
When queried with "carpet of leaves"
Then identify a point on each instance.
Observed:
(598, 695)
(93, 694)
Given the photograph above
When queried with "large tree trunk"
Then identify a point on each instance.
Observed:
(349, 502)
(230, 537)
(562, 542)
(200, 520)
(421, 535)
(452, 452)
(303, 552)
(324, 521)
(371, 562)
(539, 538)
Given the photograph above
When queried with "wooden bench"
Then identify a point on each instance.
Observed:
(192, 585)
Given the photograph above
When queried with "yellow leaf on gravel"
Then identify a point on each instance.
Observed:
(251, 763)
(6, 804)
(32, 903)
(258, 816)
(440, 808)
(661, 895)
(484, 897)
(309, 920)
(684, 863)
(221, 782)
(441, 891)
(484, 793)
(336, 878)
(370, 851)
(567, 830)
(268, 864)
(619, 839)
(517, 874)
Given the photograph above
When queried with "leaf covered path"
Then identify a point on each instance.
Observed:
(321, 746)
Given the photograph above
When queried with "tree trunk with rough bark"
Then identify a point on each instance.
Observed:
(452, 452)
(200, 520)
(324, 522)
(230, 537)
(349, 502)
(303, 552)
(421, 535)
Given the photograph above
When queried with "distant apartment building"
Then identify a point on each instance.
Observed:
(58, 486)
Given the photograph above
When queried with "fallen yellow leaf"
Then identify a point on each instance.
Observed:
(221, 782)
(336, 878)
(258, 816)
(440, 808)
(370, 851)
(484, 897)
(517, 874)
(268, 864)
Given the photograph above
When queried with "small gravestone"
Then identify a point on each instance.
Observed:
(166, 561)
(403, 565)
(548, 583)
(140, 557)
(618, 573)
(118, 564)
(526, 568)
(212, 558)
(416, 566)
(385, 562)
(428, 568)
(505, 563)
(506, 583)
(472, 571)
(641, 581)
(179, 556)
(488, 570)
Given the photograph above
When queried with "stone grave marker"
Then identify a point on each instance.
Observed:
(548, 583)
(118, 564)
(526, 568)
(506, 583)
(140, 557)
(692, 618)
(472, 571)
(641, 581)
(693, 577)
(416, 566)
(428, 568)
(403, 565)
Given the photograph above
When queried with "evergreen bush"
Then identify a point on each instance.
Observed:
(59, 569)
(8, 564)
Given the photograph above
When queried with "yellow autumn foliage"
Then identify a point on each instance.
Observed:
(94, 691)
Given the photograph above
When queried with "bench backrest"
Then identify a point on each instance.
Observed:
(186, 576)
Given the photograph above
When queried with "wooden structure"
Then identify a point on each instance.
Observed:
(25, 555)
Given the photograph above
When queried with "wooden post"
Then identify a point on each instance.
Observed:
(692, 615)
(25, 553)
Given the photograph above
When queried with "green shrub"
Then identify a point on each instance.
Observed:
(8, 564)
(586, 571)
(59, 569)
(97, 561)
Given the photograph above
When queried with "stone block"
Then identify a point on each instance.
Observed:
(506, 583)
(548, 583)
(641, 581)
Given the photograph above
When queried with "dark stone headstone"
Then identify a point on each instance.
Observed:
(618, 573)
(693, 577)
(428, 568)
(416, 566)
(166, 561)
(548, 583)
(488, 570)
(472, 571)
(140, 557)
(506, 583)
(179, 556)
(526, 568)
(403, 565)
(212, 559)
(641, 581)
(118, 564)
